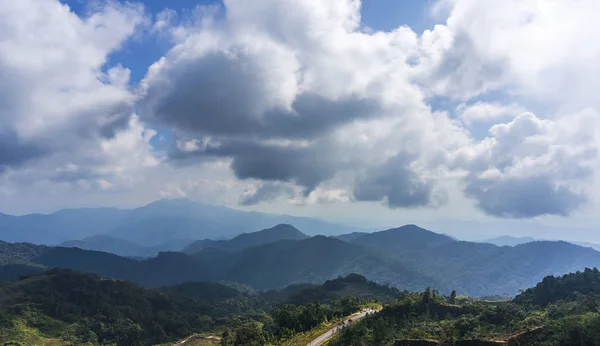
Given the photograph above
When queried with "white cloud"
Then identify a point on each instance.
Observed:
(542, 50)
(292, 102)
(487, 112)
(64, 119)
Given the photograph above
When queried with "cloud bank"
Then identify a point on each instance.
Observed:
(304, 105)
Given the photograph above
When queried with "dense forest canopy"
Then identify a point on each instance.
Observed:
(76, 309)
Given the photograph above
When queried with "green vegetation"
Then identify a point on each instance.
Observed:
(477, 269)
(62, 307)
(270, 266)
(69, 308)
(246, 240)
(99, 311)
(409, 258)
(559, 311)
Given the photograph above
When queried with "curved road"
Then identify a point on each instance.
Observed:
(346, 322)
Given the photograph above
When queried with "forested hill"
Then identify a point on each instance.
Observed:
(84, 308)
(72, 308)
(315, 260)
(274, 265)
(479, 269)
(567, 287)
(559, 311)
(246, 240)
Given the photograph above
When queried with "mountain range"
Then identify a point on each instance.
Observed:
(273, 265)
(479, 268)
(245, 240)
(408, 257)
(156, 225)
(507, 240)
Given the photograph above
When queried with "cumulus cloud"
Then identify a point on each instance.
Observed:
(535, 49)
(296, 99)
(530, 166)
(279, 92)
(64, 115)
(481, 112)
(396, 183)
(294, 92)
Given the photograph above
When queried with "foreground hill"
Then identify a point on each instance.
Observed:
(564, 313)
(274, 265)
(155, 224)
(568, 287)
(353, 285)
(246, 240)
(479, 269)
(62, 307)
(83, 308)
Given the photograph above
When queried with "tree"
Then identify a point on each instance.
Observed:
(452, 299)
(426, 296)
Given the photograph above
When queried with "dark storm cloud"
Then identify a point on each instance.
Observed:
(523, 197)
(224, 96)
(14, 152)
(266, 192)
(394, 182)
(306, 166)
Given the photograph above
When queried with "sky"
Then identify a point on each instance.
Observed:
(385, 112)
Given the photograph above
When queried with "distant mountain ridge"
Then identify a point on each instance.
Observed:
(268, 266)
(408, 257)
(479, 268)
(122, 247)
(245, 240)
(506, 240)
(152, 225)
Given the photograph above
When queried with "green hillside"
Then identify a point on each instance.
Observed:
(246, 240)
(479, 269)
(269, 266)
(569, 316)
(63, 307)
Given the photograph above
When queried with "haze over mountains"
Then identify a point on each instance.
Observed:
(157, 224)
(507, 240)
(408, 257)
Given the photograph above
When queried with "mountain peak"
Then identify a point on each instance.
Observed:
(269, 235)
(284, 229)
(246, 240)
(407, 237)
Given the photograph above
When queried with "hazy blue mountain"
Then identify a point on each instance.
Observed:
(506, 240)
(60, 226)
(269, 266)
(584, 244)
(408, 257)
(403, 239)
(245, 240)
(122, 247)
(350, 236)
(155, 224)
(479, 268)
(314, 260)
